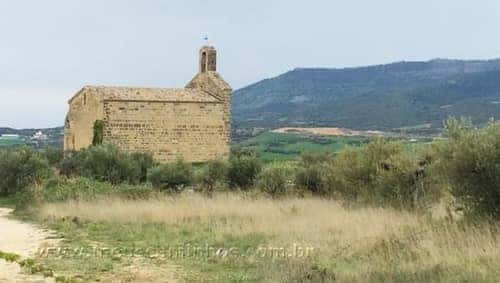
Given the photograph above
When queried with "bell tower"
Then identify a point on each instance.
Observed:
(212, 83)
(208, 59)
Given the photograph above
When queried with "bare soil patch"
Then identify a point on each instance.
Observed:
(22, 239)
(330, 131)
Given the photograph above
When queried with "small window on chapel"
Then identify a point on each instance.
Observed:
(204, 62)
(84, 99)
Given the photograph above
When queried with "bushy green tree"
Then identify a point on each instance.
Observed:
(470, 159)
(310, 174)
(171, 176)
(143, 161)
(214, 174)
(72, 163)
(275, 179)
(107, 163)
(20, 169)
(311, 177)
(243, 171)
(382, 173)
(314, 158)
(53, 155)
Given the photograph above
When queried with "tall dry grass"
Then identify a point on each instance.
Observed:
(379, 239)
(311, 220)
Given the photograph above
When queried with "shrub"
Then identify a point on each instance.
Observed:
(214, 174)
(143, 161)
(107, 163)
(243, 171)
(243, 152)
(72, 163)
(470, 159)
(407, 183)
(63, 189)
(53, 155)
(172, 176)
(382, 173)
(349, 174)
(20, 169)
(311, 178)
(312, 158)
(310, 175)
(355, 172)
(82, 189)
(275, 180)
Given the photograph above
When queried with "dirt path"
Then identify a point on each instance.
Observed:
(22, 239)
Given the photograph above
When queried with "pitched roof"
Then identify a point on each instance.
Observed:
(150, 94)
(212, 77)
(219, 81)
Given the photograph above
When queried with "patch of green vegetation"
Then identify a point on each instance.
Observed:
(195, 246)
(271, 146)
(9, 257)
(11, 142)
(32, 266)
(98, 132)
(9, 202)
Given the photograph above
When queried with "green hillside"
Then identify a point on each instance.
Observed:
(397, 95)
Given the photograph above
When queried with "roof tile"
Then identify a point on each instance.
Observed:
(152, 94)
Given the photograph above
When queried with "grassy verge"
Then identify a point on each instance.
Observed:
(114, 247)
(8, 202)
(236, 238)
(33, 267)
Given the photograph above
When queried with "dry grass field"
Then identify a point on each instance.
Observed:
(346, 244)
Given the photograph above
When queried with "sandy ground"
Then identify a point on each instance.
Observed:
(22, 239)
(27, 240)
(328, 132)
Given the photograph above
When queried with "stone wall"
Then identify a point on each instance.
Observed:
(212, 83)
(194, 131)
(84, 109)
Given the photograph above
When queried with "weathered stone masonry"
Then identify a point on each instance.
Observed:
(192, 123)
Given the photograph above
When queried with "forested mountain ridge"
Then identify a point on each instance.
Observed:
(403, 94)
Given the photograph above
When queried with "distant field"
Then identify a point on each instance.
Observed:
(280, 146)
(11, 142)
(53, 141)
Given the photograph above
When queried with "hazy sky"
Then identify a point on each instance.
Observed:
(49, 49)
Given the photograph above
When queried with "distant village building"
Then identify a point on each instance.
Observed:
(193, 123)
(39, 136)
